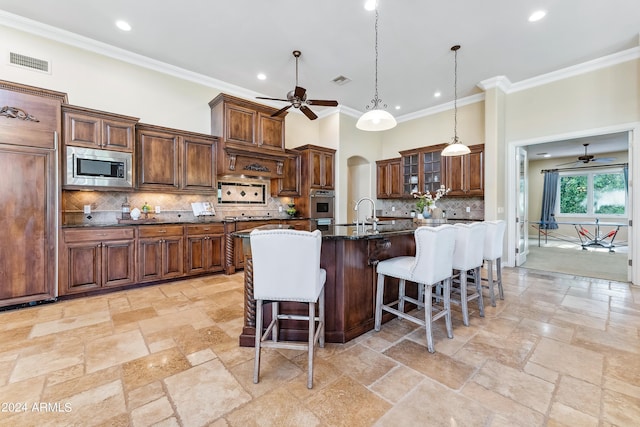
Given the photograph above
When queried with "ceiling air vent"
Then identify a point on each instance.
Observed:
(341, 80)
(29, 62)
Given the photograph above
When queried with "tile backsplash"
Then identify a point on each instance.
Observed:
(454, 207)
(106, 207)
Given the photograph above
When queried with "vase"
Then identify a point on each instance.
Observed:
(426, 214)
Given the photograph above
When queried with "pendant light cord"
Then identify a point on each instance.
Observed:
(455, 92)
(376, 47)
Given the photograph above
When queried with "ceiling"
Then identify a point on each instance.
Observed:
(233, 41)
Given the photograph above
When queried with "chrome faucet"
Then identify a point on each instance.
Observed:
(374, 219)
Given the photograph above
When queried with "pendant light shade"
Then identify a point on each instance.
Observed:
(455, 147)
(376, 119)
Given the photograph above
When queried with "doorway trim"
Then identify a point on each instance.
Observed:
(634, 174)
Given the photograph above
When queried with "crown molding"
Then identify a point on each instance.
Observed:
(500, 82)
(479, 97)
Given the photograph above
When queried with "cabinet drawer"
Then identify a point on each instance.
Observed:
(205, 229)
(160, 230)
(98, 234)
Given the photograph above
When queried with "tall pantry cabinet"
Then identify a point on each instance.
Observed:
(30, 126)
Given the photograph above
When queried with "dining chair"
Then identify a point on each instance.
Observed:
(492, 253)
(467, 261)
(286, 267)
(431, 265)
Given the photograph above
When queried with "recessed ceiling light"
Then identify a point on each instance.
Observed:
(397, 107)
(544, 154)
(437, 94)
(123, 25)
(262, 76)
(370, 4)
(537, 15)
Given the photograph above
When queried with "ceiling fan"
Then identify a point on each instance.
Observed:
(298, 98)
(589, 158)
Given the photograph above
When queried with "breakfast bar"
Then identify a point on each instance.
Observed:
(349, 255)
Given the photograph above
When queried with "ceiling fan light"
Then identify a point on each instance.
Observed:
(376, 120)
(455, 148)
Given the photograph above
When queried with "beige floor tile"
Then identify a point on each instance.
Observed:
(568, 359)
(204, 393)
(543, 329)
(562, 415)
(60, 325)
(521, 387)
(151, 413)
(363, 364)
(579, 395)
(278, 407)
(397, 383)
(612, 339)
(620, 409)
(145, 394)
(344, 402)
(419, 407)
(153, 367)
(114, 350)
(437, 366)
(47, 362)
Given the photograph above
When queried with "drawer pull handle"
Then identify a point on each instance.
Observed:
(162, 231)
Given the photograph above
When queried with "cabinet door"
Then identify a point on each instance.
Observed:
(321, 169)
(410, 174)
(82, 130)
(28, 223)
(158, 158)
(118, 263)
(270, 132)
(289, 184)
(382, 180)
(199, 172)
(172, 257)
(215, 260)
(431, 171)
(196, 254)
(239, 124)
(83, 267)
(455, 176)
(395, 178)
(476, 172)
(117, 135)
(327, 171)
(150, 259)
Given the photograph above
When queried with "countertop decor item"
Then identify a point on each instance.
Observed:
(427, 201)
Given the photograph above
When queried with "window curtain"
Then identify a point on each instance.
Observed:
(625, 173)
(549, 197)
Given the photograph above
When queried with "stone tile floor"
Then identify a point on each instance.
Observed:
(559, 350)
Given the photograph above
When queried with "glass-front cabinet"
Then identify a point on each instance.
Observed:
(422, 169)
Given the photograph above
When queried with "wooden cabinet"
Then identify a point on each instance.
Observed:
(298, 224)
(389, 179)
(289, 184)
(239, 121)
(251, 141)
(94, 258)
(317, 167)
(160, 252)
(171, 160)
(98, 129)
(464, 175)
(204, 248)
(422, 170)
(29, 126)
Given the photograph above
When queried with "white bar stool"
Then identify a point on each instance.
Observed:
(467, 261)
(493, 245)
(431, 265)
(286, 267)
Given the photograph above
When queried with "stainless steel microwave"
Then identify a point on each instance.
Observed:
(88, 167)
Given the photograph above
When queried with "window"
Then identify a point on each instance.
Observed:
(593, 193)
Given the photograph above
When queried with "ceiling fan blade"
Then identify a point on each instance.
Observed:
(282, 110)
(570, 163)
(307, 112)
(322, 102)
(272, 99)
(603, 159)
(299, 92)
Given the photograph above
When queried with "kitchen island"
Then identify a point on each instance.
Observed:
(349, 255)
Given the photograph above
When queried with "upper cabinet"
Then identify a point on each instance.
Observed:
(289, 184)
(317, 167)
(464, 175)
(174, 160)
(252, 141)
(422, 170)
(98, 129)
(389, 178)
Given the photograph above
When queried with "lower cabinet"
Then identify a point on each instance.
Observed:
(204, 248)
(160, 252)
(94, 258)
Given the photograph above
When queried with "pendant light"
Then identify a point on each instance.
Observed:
(455, 147)
(376, 119)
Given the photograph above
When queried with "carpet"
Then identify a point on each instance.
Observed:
(589, 263)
